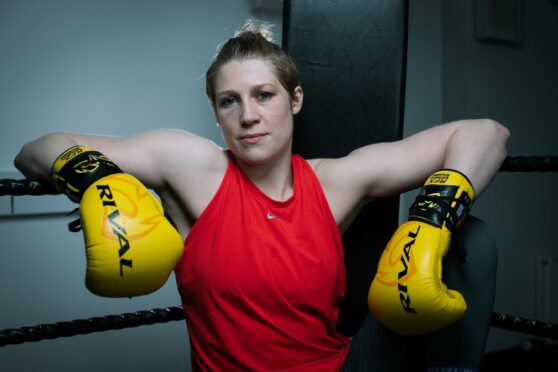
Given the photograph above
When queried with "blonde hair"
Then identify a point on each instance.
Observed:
(253, 40)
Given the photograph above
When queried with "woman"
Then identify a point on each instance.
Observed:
(262, 274)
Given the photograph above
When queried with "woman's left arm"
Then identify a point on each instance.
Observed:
(475, 148)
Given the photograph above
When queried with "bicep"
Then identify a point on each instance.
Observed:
(476, 148)
(153, 157)
(386, 169)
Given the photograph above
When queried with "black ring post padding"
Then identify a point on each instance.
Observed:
(516, 323)
(530, 164)
(91, 325)
(25, 187)
(51, 331)
(351, 58)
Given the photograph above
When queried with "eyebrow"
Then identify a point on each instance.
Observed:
(225, 93)
(229, 92)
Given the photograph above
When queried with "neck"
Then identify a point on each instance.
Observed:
(273, 179)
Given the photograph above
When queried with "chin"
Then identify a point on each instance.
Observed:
(254, 156)
(252, 159)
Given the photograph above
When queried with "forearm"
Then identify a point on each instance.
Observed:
(36, 157)
(477, 149)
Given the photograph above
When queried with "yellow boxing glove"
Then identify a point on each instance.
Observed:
(407, 294)
(131, 247)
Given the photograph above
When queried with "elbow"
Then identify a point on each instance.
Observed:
(19, 161)
(497, 135)
(24, 159)
(501, 132)
(502, 136)
(35, 158)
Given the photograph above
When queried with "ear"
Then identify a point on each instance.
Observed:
(296, 102)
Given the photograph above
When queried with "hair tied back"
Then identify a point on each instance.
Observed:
(254, 27)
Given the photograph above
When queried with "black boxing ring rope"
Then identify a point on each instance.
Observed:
(510, 164)
(89, 325)
(40, 332)
(77, 327)
(530, 164)
(165, 315)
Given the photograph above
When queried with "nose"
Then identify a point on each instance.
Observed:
(249, 115)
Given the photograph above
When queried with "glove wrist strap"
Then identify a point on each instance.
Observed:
(444, 201)
(77, 168)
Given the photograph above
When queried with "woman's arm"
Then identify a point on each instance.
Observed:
(153, 157)
(185, 170)
(476, 148)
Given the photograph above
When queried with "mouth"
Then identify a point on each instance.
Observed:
(252, 138)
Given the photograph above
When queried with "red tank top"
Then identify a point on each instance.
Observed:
(261, 280)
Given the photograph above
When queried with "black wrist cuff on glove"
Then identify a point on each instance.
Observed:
(445, 200)
(80, 168)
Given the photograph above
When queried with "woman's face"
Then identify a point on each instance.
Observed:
(255, 111)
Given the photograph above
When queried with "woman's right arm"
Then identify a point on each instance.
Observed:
(153, 157)
(184, 169)
(36, 157)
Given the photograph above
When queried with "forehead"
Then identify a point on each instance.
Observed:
(237, 74)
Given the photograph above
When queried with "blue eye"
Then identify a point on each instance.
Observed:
(227, 101)
(264, 96)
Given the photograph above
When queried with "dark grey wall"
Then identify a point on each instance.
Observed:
(515, 84)
(452, 75)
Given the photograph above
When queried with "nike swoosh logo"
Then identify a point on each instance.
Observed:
(269, 216)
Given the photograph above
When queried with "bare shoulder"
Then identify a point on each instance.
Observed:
(191, 169)
(349, 182)
(181, 156)
(354, 173)
(344, 196)
(153, 155)
(183, 168)
(188, 151)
